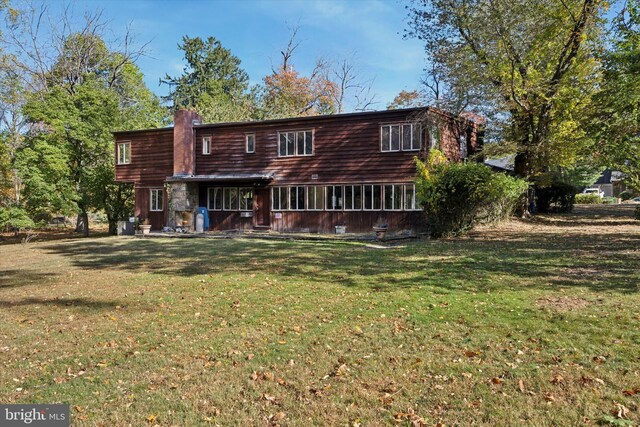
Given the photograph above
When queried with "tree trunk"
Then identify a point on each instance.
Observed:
(82, 223)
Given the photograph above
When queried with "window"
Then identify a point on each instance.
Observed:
(124, 153)
(463, 146)
(393, 197)
(315, 198)
(405, 137)
(296, 198)
(206, 145)
(250, 143)
(410, 201)
(157, 199)
(246, 199)
(295, 143)
(214, 199)
(230, 201)
(433, 136)
(279, 199)
(372, 197)
(334, 197)
(352, 197)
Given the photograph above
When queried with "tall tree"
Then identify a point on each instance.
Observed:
(406, 99)
(288, 94)
(527, 62)
(617, 120)
(212, 82)
(79, 90)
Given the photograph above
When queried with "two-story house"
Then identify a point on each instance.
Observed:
(296, 174)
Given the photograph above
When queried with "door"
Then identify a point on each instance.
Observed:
(262, 208)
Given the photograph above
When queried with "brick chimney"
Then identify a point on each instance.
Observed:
(184, 144)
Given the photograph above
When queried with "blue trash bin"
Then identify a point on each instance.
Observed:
(205, 214)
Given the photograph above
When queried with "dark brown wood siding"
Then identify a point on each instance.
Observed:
(151, 157)
(345, 150)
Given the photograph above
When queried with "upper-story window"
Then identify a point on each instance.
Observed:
(206, 145)
(298, 143)
(124, 153)
(250, 140)
(463, 146)
(405, 137)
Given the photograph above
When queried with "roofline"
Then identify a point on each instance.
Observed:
(306, 118)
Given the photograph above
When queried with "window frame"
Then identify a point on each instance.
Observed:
(226, 190)
(124, 157)
(364, 198)
(414, 206)
(352, 198)
(295, 143)
(290, 192)
(279, 207)
(246, 143)
(413, 126)
(396, 190)
(333, 192)
(315, 197)
(206, 143)
(159, 192)
(249, 206)
(209, 208)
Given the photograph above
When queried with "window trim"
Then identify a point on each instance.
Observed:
(326, 194)
(344, 198)
(286, 197)
(209, 199)
(246, 143)
(159, 191)
(247, 208)
(296, 188)
(416, 206)
(207, 145)
(307, 193)
(295, 143)
(364, 200)
(400, 189)
(401, 125)
(126, 161)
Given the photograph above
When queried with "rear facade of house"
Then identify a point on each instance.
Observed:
(307, 174)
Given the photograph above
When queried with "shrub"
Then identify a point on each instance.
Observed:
(588, 199)
(14, 218)
(610, 200)
(626, 195)
(556, 197)
(457, 196)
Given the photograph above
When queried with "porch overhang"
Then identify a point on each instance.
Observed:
(231, 177)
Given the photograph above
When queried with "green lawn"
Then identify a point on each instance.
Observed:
(532, 323)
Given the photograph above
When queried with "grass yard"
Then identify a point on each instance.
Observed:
(527, 324)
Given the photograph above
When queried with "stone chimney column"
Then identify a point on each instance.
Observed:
(184, 143)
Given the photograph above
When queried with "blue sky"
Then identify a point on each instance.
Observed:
(256, 31)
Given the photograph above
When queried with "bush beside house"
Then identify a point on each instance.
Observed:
(457, 196)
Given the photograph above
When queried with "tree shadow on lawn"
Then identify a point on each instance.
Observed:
(599, 262)
(17, 278)
(62, 302)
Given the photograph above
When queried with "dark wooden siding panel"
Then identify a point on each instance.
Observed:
(356, 221)
(345, 150)
(340, 146)
(151, 157)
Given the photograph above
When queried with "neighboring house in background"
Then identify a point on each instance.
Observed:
(297, 174)
(610, 182)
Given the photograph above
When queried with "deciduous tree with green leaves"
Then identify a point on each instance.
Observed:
(528, 63)
(616, 123)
